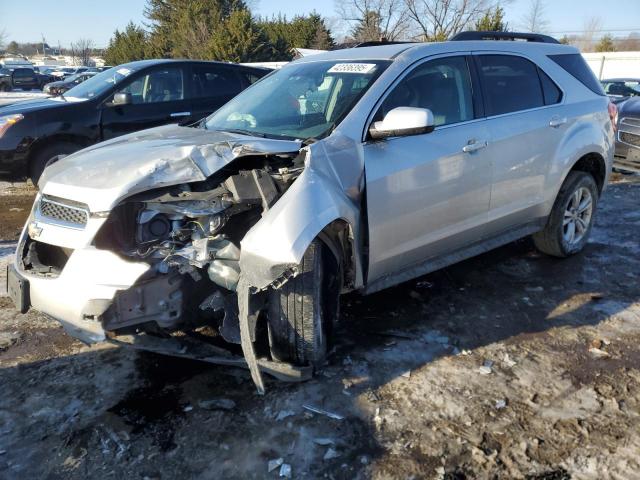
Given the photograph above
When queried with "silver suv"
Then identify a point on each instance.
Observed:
(356, 169)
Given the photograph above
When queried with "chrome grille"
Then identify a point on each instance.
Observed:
(630, 138)
(634, 122)
(75, 215)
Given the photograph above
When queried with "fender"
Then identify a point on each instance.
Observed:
(577, 143)
(278, 241)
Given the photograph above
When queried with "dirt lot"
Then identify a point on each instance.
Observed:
(510, 365)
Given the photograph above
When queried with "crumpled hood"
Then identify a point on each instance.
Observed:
(104, 174)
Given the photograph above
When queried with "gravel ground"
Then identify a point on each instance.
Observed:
(509, 365)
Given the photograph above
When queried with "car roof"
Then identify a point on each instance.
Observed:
(393, 51)
(139, 64)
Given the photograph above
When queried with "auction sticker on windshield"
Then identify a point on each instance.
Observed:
(352, 68)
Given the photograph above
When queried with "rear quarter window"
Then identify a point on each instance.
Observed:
(578, 68)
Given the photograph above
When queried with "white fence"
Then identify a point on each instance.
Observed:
(614, 64)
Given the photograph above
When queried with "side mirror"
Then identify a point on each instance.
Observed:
(402, 122)
(121, 99)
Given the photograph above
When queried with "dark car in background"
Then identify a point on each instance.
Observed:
(25, 78)
(620, 89)
(627, 155)
(61, 86)
(124, 99)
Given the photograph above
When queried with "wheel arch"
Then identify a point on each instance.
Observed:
(44, 142)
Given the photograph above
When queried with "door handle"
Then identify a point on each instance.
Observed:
(180, 114)
(555, 122)
(474, 146)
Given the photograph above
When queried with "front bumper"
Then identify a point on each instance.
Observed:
(627, 153)
(81, 294)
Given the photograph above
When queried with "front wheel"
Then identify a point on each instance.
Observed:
(303, 310)
(571, 219)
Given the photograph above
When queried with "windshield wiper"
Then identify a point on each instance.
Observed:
(242, 132)
(63, 97)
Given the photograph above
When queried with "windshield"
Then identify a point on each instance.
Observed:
(301, 101)
(626, 88)
(99, 83)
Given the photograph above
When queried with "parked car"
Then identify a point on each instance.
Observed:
(61, 86)
(619, 89)
(121, 100)
(627, 155)
(249, 225)
(25, 79)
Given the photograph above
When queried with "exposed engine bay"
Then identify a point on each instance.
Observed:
(190, 235)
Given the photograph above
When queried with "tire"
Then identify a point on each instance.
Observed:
(48, 155)
(569, 208)
(5, 88)
(302, 311)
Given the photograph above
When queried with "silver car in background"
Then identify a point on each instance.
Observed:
(356, 169)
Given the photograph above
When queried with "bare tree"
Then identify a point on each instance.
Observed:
(535, 19)
(81, 51)
(3, 38)
(590, 28)
(374, 19)
(437, 20)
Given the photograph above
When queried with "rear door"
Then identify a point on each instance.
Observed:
(526, 122)
(428, 195)
(158, 97)
(212, 86)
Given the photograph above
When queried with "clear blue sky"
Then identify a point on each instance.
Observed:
(65, 21)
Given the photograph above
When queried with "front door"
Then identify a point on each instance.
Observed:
(158, 97)
(428, 195)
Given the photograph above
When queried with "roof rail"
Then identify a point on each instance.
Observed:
(514, 36)
(377, 43)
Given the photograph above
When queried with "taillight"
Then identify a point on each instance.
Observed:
(613, 115)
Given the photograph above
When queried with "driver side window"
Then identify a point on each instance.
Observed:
(161, 85)
(443, 86)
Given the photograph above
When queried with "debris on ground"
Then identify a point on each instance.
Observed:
(500, 404)
(323, 441)
(285, 470)
(275, 463)
(330, 454)
(320, 411)
(486, 368)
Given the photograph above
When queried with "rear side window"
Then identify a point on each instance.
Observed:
(251, 77)
(510, 84)
(215, 81)
(22, 72)
(552, 94)
(578, 68)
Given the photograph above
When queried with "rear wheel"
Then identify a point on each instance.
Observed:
(303, 310)
(47, 156)
(571, 219)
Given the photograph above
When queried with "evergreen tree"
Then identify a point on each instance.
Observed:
(183, 28)
(606, 44)
(240, 40)
(492, 21)
(127, 46)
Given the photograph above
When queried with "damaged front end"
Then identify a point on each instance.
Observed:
(179, 257)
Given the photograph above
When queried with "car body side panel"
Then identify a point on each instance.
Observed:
(589, 131)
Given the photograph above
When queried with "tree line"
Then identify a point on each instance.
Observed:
(215, 30)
